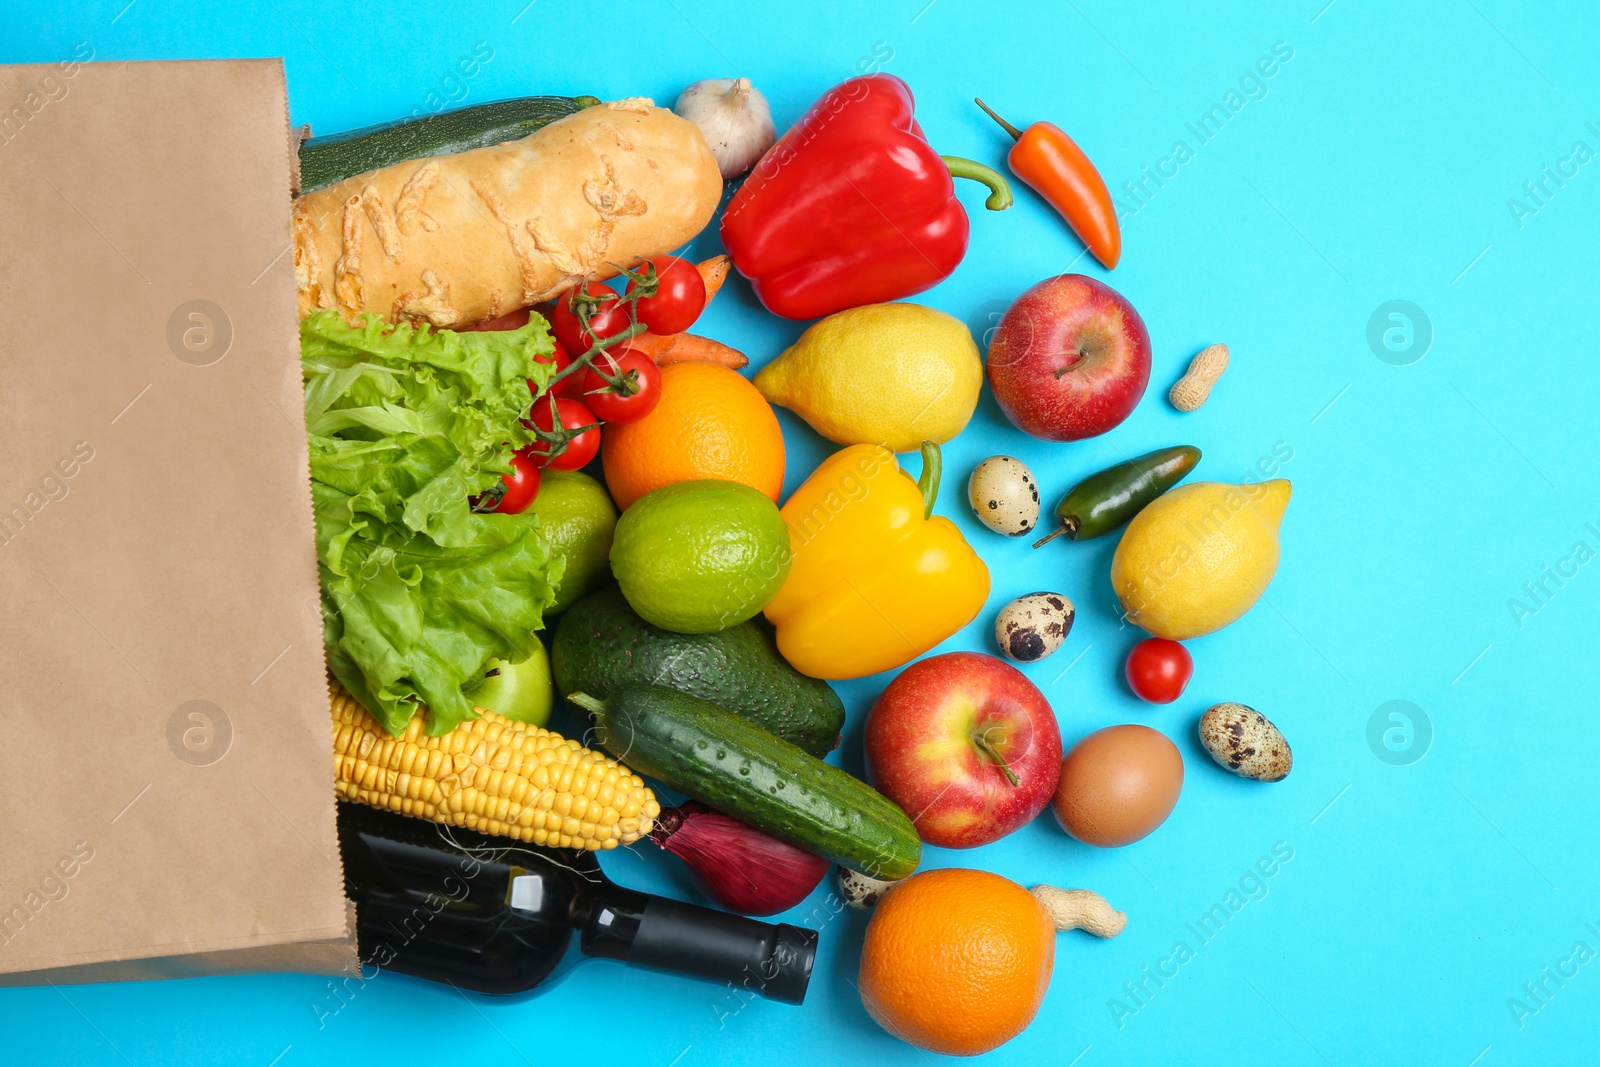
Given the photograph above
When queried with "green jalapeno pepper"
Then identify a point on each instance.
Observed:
(1102, 502)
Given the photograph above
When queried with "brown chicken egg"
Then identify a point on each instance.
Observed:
(1117, 785)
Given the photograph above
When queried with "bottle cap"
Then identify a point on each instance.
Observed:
(793, 955)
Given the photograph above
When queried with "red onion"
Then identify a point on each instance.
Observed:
(736, 865)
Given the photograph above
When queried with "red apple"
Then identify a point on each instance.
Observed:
(1070, 359)
(966, 745)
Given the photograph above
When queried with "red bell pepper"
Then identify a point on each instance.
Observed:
(852, 206)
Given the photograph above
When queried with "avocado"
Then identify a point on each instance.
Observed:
(602, 644)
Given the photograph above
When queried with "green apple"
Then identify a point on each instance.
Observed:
(521, 691)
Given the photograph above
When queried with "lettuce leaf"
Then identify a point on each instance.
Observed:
(406, 425)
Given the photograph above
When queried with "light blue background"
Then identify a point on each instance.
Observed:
(1378, 166)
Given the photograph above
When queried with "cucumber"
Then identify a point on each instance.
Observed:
(714, 756)
(325, 160)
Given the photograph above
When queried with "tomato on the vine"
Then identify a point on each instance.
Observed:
(561, 361)
(622, 385)
(608, 318)
(571, 415)
(516, 490)
(1159, 670)
(572, 384)
(679, 298)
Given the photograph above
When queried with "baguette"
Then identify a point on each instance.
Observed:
(458, 239)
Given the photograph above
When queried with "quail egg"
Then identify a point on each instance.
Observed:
(1244, 741)
(1004, 495)
(862, 891)
(1031, 627)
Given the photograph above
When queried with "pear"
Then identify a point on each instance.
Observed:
(1199, 557)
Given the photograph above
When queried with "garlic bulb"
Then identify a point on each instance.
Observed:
(735, 119)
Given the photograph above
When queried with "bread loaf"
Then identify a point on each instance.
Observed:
(457, 239)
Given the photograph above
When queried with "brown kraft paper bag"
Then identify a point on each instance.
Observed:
(166, 774)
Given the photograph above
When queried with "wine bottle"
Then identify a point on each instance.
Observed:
(497, 916)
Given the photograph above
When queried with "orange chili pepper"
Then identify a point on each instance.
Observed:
(1056, 168)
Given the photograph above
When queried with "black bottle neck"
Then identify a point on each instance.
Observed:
(770, 959)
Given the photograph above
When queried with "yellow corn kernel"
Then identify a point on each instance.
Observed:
(491, 774)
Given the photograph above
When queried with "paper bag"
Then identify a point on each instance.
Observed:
(166, 777)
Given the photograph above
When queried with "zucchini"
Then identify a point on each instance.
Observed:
(330, 159)
(719, 759)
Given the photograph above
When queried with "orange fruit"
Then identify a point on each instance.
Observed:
(956, 961)
(711, 423)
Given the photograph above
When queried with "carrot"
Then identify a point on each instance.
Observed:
(692, 348)
(713, 272)
(688, 348)
(654, 345)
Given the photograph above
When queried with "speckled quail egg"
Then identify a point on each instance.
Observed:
(1031, 627)
(1004, 495)
(1244, 741)
(862, 890)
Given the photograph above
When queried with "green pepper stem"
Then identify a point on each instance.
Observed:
(928, 480)
(1016, 134)
(999, 189)
(1068, 527)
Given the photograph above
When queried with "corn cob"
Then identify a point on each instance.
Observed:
(492, 775)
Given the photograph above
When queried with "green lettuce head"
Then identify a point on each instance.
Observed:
(407, 424)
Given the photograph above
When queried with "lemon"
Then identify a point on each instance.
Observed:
(889, 374)
(698, 557)
(1199, 557)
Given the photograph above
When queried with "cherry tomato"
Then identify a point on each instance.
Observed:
(1158, 670)
(608, 320)
(632, 395)
(581, 447)
(680, 296)
(572, 384)
(561, 360)
(518, 489)
(559, 357)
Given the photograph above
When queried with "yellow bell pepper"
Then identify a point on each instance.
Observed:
(875, 580)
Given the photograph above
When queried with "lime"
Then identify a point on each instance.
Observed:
(698, 557)
(577, 518)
